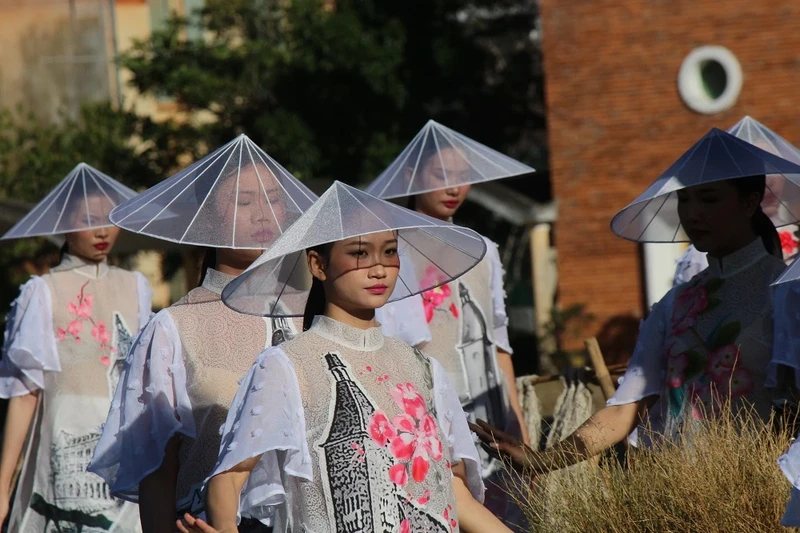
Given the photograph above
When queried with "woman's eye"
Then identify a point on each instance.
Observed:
(242, 204)
(391, 251)
(359, 253)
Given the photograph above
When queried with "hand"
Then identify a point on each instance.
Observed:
(505, 447)
(190, 524)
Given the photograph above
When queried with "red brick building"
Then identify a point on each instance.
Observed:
(617, 119)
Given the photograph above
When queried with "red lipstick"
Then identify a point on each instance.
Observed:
(377, 289)
(101, 246)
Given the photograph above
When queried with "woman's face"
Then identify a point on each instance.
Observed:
(93, 244)
(256, 212)
(716, 217)
(359, 273)
(444, 203)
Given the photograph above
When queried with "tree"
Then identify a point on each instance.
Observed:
(336, 91)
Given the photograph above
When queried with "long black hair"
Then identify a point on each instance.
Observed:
(315, 305)
(762, 225)
(209, 261)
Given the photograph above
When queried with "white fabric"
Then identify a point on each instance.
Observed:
(266, 419)
(29, 346)
(150, 406)
(145, 299)
(688, 265)
(405, 319)
(453, 422)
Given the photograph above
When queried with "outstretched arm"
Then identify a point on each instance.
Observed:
(18, 420)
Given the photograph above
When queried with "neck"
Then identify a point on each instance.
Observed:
(228, 264)
(361, 319)
(731, 248)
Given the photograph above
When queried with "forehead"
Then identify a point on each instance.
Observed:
(251, 179)
(373, 239)
(707, 188)
(449, 159)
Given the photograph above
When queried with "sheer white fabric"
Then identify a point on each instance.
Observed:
(150, 405)
(405, 319)
(29, 345)
(786, 347)
(688, 265)
(268, 419)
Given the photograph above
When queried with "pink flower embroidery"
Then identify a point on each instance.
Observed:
(101, 334)
(75, 328)
(62, 334)
(454, 310)
(676, 370)
(698, 393)
(105, 360)
(407, 397)
(690, 302)
(721, 361)
(425, 498)
(405, 526)
(788, 243)
(380, 429)
(81, 308)
(433, 298)
(413, 436)
(734, 382)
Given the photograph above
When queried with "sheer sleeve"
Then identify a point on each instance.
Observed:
(691, 263)
(145, 293)
(645, 375)
(499, 315)
(453, 422)
(150, 405)
(405, 321)
(29, 344)
(786, 338)
(266, 420)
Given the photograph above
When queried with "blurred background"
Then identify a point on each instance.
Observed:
(600, 97)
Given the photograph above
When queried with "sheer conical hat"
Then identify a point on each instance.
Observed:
(235, 197)
(431, 252)
(438, 158)
(82, 201)
(718, 156)
(756, 133)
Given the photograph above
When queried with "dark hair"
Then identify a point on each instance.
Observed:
(315, 305)
(64, 251)
(209, 261)
(762, 225)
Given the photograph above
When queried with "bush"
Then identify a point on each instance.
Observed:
(719, 475)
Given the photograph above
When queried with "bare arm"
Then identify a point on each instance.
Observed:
(157, 493)
(472, 516)
(222, 499)
(507, 366)
(18, 421)
(607, 427)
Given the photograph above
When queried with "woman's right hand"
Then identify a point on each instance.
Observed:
(505, 447)
(190, 524)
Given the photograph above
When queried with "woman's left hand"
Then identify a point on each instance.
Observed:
(504, 447)
(190, 524)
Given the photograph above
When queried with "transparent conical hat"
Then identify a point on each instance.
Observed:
(756, 133)
(235, 197)
(438, 158)
(717, 156)
(431, 252)
(82, 201)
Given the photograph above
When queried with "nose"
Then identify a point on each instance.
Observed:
(101, 233)
(453, 191)
(377, 271)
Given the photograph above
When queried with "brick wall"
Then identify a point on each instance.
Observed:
(616, 121)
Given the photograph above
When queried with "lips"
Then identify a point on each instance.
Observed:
(451, 204)
(101, 246)
(262, 236)
(377, 289)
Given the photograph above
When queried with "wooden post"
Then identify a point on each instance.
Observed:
(600, 368)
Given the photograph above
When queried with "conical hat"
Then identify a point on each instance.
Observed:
(439, 158)
(431, 252)
(82, 201)
(718, 156)
(235, 197)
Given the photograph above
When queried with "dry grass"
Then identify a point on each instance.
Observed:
(721, 476)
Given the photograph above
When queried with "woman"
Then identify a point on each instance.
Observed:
(162, 434)
(341, 428)
(748, 129)
(465, 321)
(66, 339)
(707, 343)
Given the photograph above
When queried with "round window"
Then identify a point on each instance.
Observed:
(710, 79)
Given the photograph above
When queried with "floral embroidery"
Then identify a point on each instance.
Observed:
(81, 308)
(412, 437)
(433, 298)
(789, 243)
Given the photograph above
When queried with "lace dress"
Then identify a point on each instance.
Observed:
(180, 379)
(706, 341)
(68, 335)
(356, 432)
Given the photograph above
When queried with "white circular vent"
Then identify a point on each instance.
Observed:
(710, 79)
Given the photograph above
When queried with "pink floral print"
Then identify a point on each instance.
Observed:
(689, 303)
(434, 298)
(412, 437)
(81, 308)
